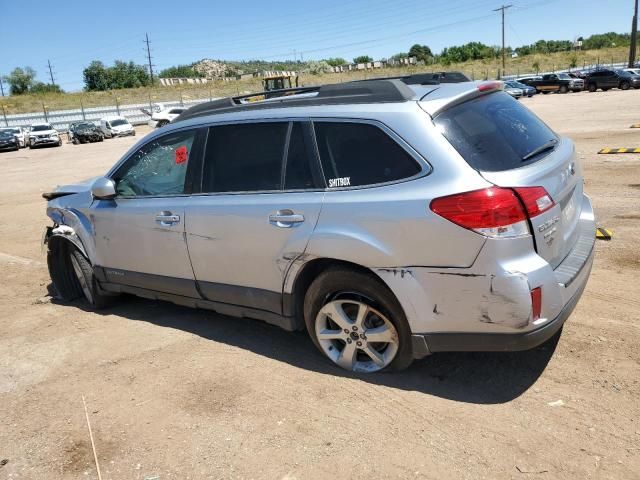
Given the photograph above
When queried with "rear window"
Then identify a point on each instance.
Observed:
(495, 132)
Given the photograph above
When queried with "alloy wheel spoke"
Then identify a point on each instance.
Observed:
(335, 312)
(363, 310)
(327, 334)
(347, 358)
(377, 357)
(381, 334)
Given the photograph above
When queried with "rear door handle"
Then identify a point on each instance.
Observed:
(167, 219)
(285, 218)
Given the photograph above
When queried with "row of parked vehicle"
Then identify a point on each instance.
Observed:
(601, 79)
(84, 131)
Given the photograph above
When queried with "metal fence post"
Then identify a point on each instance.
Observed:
(82, 108)
(4, 114)
(44, 109)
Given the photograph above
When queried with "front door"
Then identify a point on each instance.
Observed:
(140, 234)
(261, 196)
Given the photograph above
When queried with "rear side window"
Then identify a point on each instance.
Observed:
(298, 174)
(357, 154)
(495, 132)
(244, 157)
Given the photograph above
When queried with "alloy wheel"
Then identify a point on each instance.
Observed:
(356, 336)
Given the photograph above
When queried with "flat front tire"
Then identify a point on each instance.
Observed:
(87, 282)
(356, 321)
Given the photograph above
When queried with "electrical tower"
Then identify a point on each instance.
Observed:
(149, 56)
(502, 9)
(51, 72)
(634, 37)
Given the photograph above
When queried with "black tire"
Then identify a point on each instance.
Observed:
(544, 92)
(59, 143)
(161, 123)
(563, 89)
(624, 85)
(101, 139)
(75, 141)
(339, 281)
(592, 87)
(87, 282)
(605, 89)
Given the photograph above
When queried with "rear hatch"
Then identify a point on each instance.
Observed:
(511, 147)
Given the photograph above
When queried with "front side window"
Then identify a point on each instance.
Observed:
(159, 168)
(357, 154)
(244, 157)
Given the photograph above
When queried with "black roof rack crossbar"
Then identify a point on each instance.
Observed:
(373, 91)
(435, 78)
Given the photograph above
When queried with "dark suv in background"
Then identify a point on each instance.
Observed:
(607, 79)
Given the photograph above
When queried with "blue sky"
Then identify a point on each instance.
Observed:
(73, 33)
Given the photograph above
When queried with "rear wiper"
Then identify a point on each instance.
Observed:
(542, 148)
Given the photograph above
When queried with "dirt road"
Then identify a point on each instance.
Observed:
(183, 394)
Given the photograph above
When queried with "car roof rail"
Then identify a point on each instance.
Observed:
(433, 78)
(372, 91)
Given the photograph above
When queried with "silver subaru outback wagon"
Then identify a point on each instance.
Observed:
(390, 218)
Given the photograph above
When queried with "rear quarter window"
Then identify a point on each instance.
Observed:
(359, 154)
(494, 132)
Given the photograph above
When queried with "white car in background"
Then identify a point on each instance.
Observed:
(116, 127)
(18, 132)
(164, 116)
(43, 134)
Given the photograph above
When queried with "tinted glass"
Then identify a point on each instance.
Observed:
(158, 168)
(298, 173)
(244, 157)
(494, 132)
(355, 154)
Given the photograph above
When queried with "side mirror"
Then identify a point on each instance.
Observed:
(103, 189)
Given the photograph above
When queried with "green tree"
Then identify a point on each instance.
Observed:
(336, 62)
(40, 87)
(20, 80)
(180, 71)
(421, 52)
(399, 56)
(120, 75)
(573, 61)
(363, 59)
(536, 67)
(95, 76)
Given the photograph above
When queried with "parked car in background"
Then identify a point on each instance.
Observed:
(113, 127)
(8, 141)
(18, 132)
(42, 134)
(515, 92)
(633, 71)
(626, 75)
(165, 116)
(554, 82)
(390, 219)
(606, 79)
(85, 132)
(527, 91)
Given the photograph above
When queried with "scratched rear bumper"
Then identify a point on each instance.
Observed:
(487, 307)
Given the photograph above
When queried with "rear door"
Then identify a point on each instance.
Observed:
(261, 196)
(511, 147)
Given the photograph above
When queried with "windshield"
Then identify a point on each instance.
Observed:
(118, 121)
(495, 132)
(84, 125)
(10, 130)
(622, 73)
(41, 128)
(5, 134)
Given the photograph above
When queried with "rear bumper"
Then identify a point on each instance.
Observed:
(487, 307)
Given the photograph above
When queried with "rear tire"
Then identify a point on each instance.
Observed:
(624, 85)
(161, 123)
(564, 89)
(592, 87)
(347, 305)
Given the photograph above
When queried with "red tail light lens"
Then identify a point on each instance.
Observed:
(536, 303)
(488, 86)
(535, 199)
(494, 212)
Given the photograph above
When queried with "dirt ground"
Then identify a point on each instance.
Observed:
(174, 393)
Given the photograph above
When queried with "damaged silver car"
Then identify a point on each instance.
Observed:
(389, 218)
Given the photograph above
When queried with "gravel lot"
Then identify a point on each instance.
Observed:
(183, 394)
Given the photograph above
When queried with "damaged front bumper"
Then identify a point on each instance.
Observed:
(487, 307)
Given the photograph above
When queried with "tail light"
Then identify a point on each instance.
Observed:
(536, 303)
(490, 85)
(494, 212)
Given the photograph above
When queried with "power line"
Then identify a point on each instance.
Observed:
(502, 9)
(149, 57)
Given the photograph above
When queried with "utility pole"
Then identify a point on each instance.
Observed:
(149, 57)
(51, 72)
(502, 9)
(634, 37)
(1, 86)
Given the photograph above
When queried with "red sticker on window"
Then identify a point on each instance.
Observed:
(181, 154)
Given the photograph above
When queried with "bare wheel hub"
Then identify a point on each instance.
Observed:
(356, 336)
